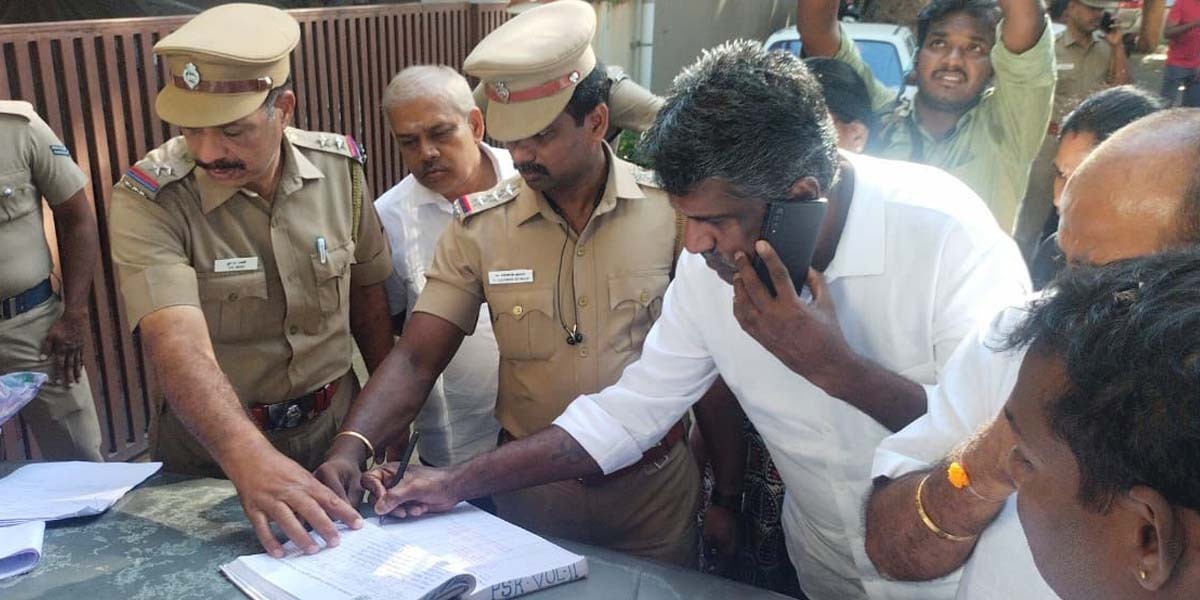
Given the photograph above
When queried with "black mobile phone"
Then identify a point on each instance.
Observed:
(1107, 22)
(791, 228)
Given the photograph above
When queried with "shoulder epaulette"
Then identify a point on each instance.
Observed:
(165, 164)
(478, 202)
(646, 177)
(18, 108)
(328, 142)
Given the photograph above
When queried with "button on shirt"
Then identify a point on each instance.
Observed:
(620, 263)
(279, 323)
(973, 389)
(919, 265)
(33, 164)
(993, 143)
(457, 421)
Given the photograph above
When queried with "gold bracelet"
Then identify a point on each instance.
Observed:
(361, 437)
(929, 522)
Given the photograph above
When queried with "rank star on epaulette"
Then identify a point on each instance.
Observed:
(466, 206)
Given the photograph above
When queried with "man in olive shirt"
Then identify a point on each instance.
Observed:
(249, 253)
(983, 99)
(38, 331)
(573, 258)
(1088, 60)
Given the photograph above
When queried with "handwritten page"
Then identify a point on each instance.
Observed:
(413, 558)
(60, 490)
(20, 548)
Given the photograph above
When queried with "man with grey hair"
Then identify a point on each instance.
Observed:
(909, 255)
(440, 134)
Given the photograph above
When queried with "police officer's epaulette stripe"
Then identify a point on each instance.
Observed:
(466, 206)
(142, 178)
(356, 151)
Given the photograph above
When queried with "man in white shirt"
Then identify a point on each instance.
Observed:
(911, 258)
(1137, 194)
(440, 133)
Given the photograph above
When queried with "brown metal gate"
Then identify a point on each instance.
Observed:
(95, 81)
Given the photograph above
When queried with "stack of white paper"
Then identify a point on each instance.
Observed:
(20, 548)
(60, 490)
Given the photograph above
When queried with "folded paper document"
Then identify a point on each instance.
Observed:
(20, 548)
(464, 553)
(60, 490)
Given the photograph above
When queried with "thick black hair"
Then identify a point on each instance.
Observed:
(590, 93)
(845, 92)
(986, 12)
(1106, 111)
(1129, 336)
(753, 118)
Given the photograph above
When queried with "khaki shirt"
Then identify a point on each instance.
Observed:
(1082, 70)
(994, 142)
(277, 311)
(33, 163)
(611, 282)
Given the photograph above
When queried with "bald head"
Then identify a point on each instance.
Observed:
(1137, 194)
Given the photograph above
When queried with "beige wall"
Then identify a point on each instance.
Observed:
(682, 28)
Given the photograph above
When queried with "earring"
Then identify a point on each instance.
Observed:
(1143, 574)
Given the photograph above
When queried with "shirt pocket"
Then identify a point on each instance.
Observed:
(635, 301)
(524, 323)
(234, 304)
(18, 196)
(333, 277)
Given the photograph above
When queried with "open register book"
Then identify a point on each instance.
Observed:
(464, 553)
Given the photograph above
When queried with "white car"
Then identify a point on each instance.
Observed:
(887, 49)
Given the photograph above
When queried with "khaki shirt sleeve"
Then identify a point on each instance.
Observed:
(881, 95)
(53, 170)
(372, 254)
(454, 286)
(153, 269)
(1023, 96)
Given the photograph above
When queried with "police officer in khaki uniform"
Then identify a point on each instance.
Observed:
(1088, 60)
(248, 254)
(38, 331)
(573, 259)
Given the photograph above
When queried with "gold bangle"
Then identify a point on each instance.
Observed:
(929, 522)
(361, 437)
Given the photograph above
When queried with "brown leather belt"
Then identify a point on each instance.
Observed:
(295, 412)
(654, 455)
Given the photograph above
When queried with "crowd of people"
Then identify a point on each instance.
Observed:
(603, 348)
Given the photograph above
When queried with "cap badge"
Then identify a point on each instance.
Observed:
(573, 77)
(501, 90)
(191, 76)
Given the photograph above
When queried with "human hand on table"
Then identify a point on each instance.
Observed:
(274, 489)
(422, 490)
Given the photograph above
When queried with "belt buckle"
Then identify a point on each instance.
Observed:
(657, 465)
(8, 309)
(292, 417)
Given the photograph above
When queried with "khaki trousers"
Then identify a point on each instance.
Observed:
(173, 444)
(649, 512)
(62, 418)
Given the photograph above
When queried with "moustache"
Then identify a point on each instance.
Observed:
(531, 167)
(434, 166)
(717, 261)
(220, 164)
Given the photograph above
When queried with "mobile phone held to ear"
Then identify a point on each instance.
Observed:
(791, 228)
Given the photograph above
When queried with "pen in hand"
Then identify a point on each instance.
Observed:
(412, 443)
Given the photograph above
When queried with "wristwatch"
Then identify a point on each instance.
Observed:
(732, 502)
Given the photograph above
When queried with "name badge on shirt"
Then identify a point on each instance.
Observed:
(1066, 66)
(510, 277)
(233, 265)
